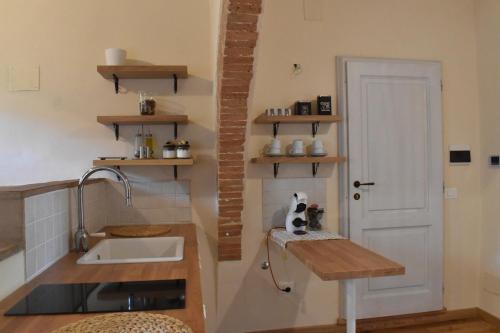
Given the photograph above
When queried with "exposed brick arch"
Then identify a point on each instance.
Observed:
(239, 37)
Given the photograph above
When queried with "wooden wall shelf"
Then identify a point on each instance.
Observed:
(175, 162)
(264, 119)
(143, 72)
(145, 162)
(315, 161)
(314, 120)
(143, 120)
(116, 121)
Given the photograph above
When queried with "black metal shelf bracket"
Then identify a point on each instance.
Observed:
(175, 83)
(315, 127)
(116, 127)
(175, 130)
(175, 171)
(276, 167)
(276, 127)
(315, 167)
(117, 83)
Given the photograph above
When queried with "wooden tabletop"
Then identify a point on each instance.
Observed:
(341, 259)
(67, 271)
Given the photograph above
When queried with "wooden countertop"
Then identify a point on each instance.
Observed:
(29, 190)
(342, 259)
(67, 271)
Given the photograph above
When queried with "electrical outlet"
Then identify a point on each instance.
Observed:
(451, 193)
(286, 284)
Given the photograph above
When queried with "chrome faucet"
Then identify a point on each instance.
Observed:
(81, 235)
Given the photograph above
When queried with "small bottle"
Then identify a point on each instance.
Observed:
(138, 143)
(149, 143)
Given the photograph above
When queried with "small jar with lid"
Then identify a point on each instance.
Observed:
(183, 149)
(170, 150)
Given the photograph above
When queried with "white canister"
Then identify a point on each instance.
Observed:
(169, 151)
(183, 151)
(115, 57)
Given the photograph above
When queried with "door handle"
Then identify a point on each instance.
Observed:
(357, 184)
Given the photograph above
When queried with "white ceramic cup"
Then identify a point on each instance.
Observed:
(297, 147)
(274, 147)
(115, 57)
(317, 147)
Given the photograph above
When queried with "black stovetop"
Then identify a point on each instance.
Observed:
(48, 299)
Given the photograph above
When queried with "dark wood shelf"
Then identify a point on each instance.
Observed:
(315, 161)
(265, 119)
(143, 120)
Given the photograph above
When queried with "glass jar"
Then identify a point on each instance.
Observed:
(183, 150)
(147, 104)
(170, 150)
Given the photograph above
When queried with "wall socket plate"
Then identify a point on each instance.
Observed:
(451, 193)
(287, 284)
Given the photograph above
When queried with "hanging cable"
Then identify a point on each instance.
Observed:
(287, 289)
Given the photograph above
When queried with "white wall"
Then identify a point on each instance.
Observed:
(52, 134)
(488, 32)
(411, 29)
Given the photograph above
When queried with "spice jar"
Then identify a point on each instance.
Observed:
(147, 104)
(170, 150)
(183, 149)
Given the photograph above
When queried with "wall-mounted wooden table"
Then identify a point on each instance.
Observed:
(341, 259)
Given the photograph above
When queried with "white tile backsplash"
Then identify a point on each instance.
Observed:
(46, 223)
(157, 202)
(51, 218)
(277, 193)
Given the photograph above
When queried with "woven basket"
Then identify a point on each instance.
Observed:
(129, 322)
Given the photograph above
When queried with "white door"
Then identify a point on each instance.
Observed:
(395, 142)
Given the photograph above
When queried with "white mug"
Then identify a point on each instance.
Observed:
(317, 147)
(274, 147)
(115, 56)
(297, 147)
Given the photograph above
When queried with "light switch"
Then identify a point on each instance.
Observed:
(313, 10)
(24, 78)
(451, 193)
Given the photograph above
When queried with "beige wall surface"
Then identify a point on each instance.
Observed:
(52, 134)
(410, 29)
(488, 32)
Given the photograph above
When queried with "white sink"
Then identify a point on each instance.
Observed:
(135, 250)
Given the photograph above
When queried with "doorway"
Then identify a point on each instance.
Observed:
(392, 186)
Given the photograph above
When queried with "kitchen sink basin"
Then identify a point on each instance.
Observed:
(135, 250)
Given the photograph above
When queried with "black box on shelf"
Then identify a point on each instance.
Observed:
(303, 108)
(324, 105)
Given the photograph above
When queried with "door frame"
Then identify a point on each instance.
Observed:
(343, 145)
